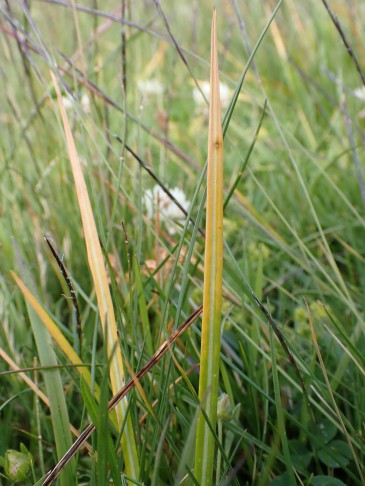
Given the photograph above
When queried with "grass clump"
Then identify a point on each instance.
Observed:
(117, 185)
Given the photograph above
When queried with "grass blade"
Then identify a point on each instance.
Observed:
(335, 406)
(53, 329)
(105, 306)
(121, 394)
(53, 381)
(142, 307)
(212, 299)
(24, 377)
(279, 412)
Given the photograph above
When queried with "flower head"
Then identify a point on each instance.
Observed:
(157, 199)
(85, 103)
(69, 102)
(360, 93)
(225, 410)
(205, 88)
(150, 87)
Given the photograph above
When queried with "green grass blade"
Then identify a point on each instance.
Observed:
(338, 413)
(54, 387)
(142, 307)
(95, 413)
(279, 412)
(212, 299)
(52, 328)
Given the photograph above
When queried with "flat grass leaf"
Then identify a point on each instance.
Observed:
(56, 334)
(53, 380)
(102, 291)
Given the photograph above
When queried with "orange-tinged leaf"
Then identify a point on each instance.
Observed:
(52, 329)
(213, 270)
(24, 377)
(105, 306)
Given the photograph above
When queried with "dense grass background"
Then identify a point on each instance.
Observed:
(293, 229)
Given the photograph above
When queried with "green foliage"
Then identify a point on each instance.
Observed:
(293, 232)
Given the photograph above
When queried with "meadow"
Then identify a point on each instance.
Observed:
(105, 228)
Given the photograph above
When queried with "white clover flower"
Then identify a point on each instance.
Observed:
(224, 92)
(68, 102)
(150, 87)
(360, 93)
(85, 103)
(156, 198)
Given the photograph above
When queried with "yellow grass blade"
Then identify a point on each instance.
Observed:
(24, 377)
(213, 269)
(62, 342)
(52, 329)
(105, 306)
(52, 380)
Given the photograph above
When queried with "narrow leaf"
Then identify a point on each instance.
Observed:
(52, 329)
(212, 298)
(106, 311)
(53, 381)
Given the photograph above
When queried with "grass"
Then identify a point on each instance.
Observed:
(212, 291)
(293, 227)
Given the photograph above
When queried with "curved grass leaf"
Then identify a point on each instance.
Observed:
(53, 329)
(105, 305)
(54, 387)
